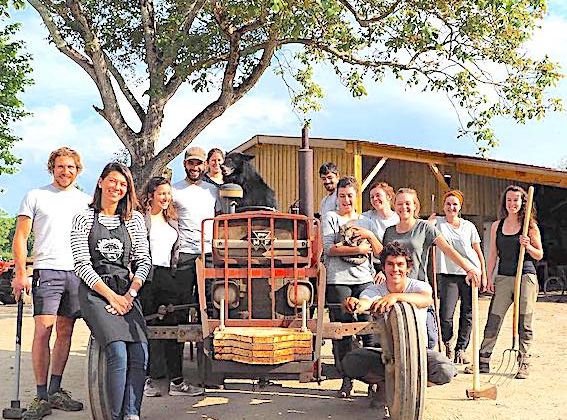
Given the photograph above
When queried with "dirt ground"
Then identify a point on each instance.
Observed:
(542, 396)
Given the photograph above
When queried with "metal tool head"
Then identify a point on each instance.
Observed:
(15, 411)
(489, 393)
(506, 371)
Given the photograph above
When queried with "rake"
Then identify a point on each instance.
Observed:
(511, 357)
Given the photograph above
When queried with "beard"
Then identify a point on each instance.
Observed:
(192, 177)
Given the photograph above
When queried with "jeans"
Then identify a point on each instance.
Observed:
(336, 294)
(452, 287)
(126, 372)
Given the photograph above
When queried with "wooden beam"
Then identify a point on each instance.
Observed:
(373, 173)
(400, 153)
(519, 174)
(358, 174)
(439, 176)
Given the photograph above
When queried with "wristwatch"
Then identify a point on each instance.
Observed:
(133, 293)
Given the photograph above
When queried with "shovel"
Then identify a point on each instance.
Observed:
(15, 411)
(511, 358)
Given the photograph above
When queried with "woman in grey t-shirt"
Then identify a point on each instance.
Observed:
(418, 236)
(345, 278)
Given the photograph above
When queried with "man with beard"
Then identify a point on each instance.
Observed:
(195, 200)
(329, 175)
(49, 211)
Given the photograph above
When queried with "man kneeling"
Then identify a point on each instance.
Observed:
(365, 364)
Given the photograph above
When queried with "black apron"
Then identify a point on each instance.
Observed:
(110, 257)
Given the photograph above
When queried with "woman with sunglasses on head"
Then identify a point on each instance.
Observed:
(462, 235)
(419, 236)
(505, 240)
(344, 277)
(165, 288)
(107, 240)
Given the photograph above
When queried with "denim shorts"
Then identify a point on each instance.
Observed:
(56, 292)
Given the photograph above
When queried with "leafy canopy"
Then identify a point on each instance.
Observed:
(14, 77)
(471, 50)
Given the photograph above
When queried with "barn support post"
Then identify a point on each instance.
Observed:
(358, 174)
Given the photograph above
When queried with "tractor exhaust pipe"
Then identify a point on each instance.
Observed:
(305, 174)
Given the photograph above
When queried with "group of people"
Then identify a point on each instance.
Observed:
(399, 243)
(112, 260)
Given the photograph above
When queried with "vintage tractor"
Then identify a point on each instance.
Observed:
(257, 295)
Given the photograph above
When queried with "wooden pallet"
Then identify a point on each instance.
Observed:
(265, 346)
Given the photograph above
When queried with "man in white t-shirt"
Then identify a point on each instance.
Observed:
(48, 212)
(366, 364)
(195, 200)
(329, 175)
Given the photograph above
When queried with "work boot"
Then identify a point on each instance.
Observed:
(524, 367)
(37, 409)
(461, 357)
(62, 400)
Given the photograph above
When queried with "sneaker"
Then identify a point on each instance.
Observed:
(346, 388)
(131, 417)
(185, 389)
(150, 390)
(62, 400)
(523, 371)
(461, 357)
(37, 409)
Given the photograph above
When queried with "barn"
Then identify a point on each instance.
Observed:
(481, 180)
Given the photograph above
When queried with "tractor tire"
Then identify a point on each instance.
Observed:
(406, 369)
(96, 381)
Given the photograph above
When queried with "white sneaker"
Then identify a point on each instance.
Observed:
(185, 389)
(150, 390)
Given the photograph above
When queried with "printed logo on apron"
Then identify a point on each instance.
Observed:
(110, 248)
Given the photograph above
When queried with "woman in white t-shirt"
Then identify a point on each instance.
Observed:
(463, 236)
(164, 288)
(382, 214)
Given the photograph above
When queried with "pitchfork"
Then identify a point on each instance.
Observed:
(512, 358)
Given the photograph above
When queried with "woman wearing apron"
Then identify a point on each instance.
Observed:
(111, 255)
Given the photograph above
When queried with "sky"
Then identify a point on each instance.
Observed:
(62, 98)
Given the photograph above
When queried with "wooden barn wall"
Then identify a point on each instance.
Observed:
(481, 193)
(278, 166)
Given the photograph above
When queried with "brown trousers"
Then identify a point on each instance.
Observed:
(501, 300)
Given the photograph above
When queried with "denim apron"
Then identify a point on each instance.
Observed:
(110, 257)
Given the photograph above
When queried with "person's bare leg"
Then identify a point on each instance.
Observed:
(40, 347)
(60, 354)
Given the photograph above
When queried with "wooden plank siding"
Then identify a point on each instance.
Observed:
(278, 166)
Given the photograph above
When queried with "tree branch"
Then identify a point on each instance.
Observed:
(366, 22)
(60, 43)
(111, 110)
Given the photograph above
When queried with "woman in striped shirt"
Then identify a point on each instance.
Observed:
(111, 256)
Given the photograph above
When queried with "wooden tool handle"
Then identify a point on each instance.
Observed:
(517, 281)
(475, 339)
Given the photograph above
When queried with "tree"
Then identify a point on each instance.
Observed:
(469, 49)
(14, 77)
(7, 226)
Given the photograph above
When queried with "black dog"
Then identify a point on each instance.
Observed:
(237, 169)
